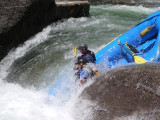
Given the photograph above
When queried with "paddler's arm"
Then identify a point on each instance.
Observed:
(75, 59)
(75, 68)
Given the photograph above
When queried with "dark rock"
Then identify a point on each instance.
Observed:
(123, 92)
(74, 9)
(21, 19)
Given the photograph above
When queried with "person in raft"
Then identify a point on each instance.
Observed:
(87, 55)
(84, 71)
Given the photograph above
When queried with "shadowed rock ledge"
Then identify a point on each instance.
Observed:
(123, 93)
(21, 19)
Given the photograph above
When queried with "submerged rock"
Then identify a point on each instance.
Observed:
(123, 93)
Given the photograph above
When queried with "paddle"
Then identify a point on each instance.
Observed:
(75, 53)
(139, 60)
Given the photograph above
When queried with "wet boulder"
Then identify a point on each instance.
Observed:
(131, 92)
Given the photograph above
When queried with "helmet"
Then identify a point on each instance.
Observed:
(81, 61)
(83, 46)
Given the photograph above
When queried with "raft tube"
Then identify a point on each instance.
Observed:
(142, 41)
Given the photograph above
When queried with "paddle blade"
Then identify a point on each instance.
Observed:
(75, 50)
(139, 60)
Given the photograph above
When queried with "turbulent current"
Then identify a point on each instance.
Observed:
(28, 72)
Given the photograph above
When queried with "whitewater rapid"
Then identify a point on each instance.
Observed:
(29, 71)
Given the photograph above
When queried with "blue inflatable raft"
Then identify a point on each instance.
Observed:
(140, 44)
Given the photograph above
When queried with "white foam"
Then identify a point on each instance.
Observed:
(21, 50)
(138, 9)
(18, 103)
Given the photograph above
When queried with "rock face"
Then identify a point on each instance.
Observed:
(72, 9)
(21, 19)
(123, 93)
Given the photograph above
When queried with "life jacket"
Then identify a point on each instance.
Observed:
(89, 56)
(85, 73)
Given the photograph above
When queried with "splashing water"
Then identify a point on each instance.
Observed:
(28, 72)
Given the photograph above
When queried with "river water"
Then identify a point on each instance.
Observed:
(29, 71)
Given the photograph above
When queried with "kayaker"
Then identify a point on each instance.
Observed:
(85, 71)
(87, 55)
